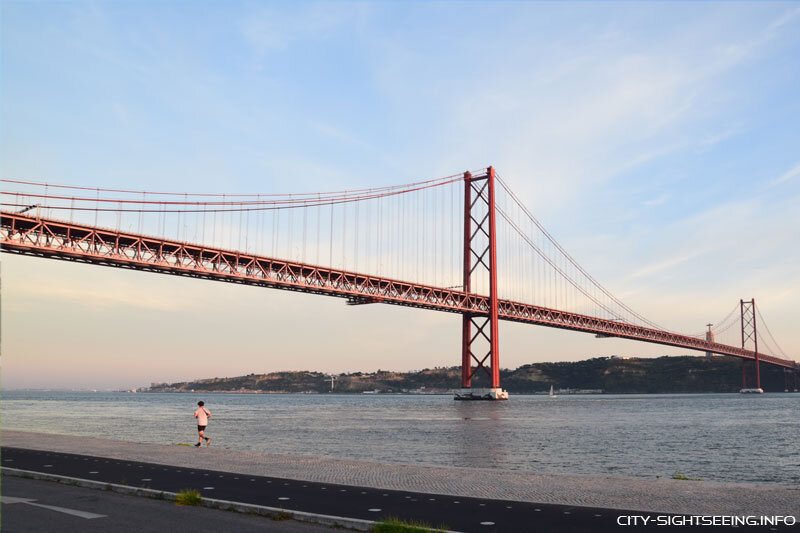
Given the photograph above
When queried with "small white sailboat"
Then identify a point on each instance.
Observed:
(552, 394)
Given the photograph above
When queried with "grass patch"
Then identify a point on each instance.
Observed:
(395, 525)
(678, 475)
(188, 497)
(182, 444)
(280, 517)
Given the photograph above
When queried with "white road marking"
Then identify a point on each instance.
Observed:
(146, 479)
(374, 510)
(30, 501)
(283, 498)
(73, 512)
(487, 523)
(13, 499)
(208, 488)
(94, 472)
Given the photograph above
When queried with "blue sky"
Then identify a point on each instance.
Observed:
(659, 142)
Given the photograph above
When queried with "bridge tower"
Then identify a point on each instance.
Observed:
(748, 313)
(709, 338)
(480, 244)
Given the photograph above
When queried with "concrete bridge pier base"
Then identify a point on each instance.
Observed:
(489, 394)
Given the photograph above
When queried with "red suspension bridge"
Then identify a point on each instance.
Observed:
(460, 244)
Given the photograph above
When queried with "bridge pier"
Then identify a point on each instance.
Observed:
(479, 393)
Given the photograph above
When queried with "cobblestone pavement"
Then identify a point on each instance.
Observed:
(652, 495)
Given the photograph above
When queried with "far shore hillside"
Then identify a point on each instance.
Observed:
(609, 375)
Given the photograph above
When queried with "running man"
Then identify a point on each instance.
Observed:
(202, 415)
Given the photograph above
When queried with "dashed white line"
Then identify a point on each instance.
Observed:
(487, 523)
(374, 510)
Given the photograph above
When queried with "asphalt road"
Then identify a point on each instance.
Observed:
(34, 506)
(448, 512)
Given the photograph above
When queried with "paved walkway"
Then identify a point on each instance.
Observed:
(650, 495)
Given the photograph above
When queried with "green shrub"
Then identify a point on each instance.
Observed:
(188, 497)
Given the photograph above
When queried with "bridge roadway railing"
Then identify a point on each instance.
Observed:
(82, 243)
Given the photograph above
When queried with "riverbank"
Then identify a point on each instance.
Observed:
(647, 495)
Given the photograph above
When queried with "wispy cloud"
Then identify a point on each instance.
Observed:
(667, 263)
(94, 298)
(786, 176)
(656, 201)
(270, 29)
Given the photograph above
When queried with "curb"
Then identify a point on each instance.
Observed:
(274, 512)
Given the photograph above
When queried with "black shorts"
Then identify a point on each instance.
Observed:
(200, 428)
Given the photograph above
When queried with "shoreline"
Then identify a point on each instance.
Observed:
(611, 492)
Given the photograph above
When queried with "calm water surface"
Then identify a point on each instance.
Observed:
(724, 437)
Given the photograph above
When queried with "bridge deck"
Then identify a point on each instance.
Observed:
(82, 243)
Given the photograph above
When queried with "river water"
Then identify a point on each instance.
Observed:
(723, 437)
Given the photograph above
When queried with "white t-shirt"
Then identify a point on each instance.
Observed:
(202, 415)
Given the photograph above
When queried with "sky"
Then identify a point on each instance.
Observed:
(658, 142)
